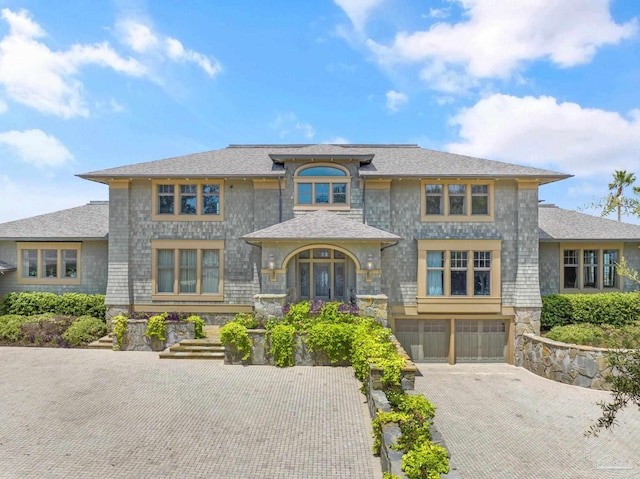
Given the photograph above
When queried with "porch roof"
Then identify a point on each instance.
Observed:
(321, 225)
(6, 267)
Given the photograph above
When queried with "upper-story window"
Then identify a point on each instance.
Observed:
(457, 200)
(322, 187)
(178, 200)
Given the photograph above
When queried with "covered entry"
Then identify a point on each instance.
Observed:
(455, 340)
(325, 274)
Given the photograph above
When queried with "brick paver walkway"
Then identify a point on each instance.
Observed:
(97, 414)
(503, 422)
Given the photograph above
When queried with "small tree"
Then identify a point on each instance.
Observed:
(616, 200)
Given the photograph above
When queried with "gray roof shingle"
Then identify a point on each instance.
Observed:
(560, 224)
(90, 221)
(376, 160)
(321, 225)
(6, 267)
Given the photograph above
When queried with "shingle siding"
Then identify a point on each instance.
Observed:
(549, 265)
(93, 273)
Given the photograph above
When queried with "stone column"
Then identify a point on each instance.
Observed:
(374, 306)
(269, 306)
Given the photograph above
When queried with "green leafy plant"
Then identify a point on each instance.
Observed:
(426, 461)
(236, 334)
(71, 304)
(281, 340)
(246, 319)
(380, 420)
(157, 327)
(334, 339)
(119, 329)
(388, 475)
(85, 329)
(10, 327)
(198, 324)
(372, 345)
(616, 309)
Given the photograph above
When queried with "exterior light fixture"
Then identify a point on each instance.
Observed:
(369, 267)
(271, 266)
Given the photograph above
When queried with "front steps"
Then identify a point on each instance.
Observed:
(105, 342)
(209, 347)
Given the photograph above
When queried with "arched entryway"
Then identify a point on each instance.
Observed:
(321, 273)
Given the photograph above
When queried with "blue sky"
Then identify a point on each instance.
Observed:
(91, 85)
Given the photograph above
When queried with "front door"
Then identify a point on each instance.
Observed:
(322, 275)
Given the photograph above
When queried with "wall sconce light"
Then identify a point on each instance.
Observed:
(271, 266)
(369, 267)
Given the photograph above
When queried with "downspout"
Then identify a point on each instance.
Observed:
(364, 200)
(279, 200)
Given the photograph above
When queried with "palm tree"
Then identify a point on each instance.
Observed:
(621, 179)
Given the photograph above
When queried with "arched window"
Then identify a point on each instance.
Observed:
(322, 186)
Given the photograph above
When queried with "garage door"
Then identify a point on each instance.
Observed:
(428, 340)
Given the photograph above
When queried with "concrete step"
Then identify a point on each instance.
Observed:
(210, 348)
(106, 342)
(200, 342)
(168, 354)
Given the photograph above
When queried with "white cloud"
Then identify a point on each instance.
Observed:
(337, 140)
(36, 147)
(31, 192)
(396, 100)
(142, 39)
(544, 133)
(439, 12)
(358, 10)
(287, 124)
(496, 39)
(46, 80)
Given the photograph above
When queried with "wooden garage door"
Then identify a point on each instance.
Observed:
(424, 340)
(480, 340)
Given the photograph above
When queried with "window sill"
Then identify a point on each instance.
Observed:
(186, 297)
(166, 218)
(590, 290)
(459, 304)
(49, 281)
(458, 218)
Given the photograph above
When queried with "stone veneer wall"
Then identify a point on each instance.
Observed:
(135, 339)
(584, 366)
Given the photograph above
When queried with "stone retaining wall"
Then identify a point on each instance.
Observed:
(583, 366)
(135, 340)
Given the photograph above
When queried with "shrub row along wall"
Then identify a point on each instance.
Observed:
(616, 309)
(584, 366)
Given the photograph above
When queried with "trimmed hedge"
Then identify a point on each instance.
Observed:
(68, 304)
(616, 309)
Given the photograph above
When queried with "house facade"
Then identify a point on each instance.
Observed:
(449, 249)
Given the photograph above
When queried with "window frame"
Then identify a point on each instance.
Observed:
(40, 247)
(177, 215)
(315, 180)
(581, 267)
(448, 302)
(182, 245)
(446, 215)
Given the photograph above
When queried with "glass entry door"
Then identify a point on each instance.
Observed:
(321, 275)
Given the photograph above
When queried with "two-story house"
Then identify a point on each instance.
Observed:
(450, 248)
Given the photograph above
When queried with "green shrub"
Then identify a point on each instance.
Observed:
(85, 329)
(281, 340)
(71, 304)
(372, 345)
(584, 334)
(236, 334)
(10, 327)
(246, 319)
(198, 325)
(601, 308)
(426, 461)
(334, 339)
(156, 327)
(119, 329)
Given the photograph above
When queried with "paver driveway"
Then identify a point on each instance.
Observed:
(503, 422)
(84, 413)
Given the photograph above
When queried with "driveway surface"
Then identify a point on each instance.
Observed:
(97, 414)
(503, 422)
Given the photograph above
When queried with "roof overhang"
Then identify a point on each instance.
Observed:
(279, 159)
